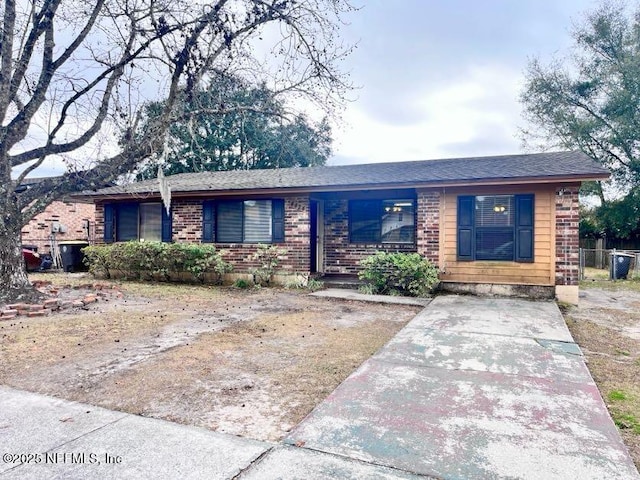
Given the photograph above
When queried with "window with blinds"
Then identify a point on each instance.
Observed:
(127, 222)
(257, 221)
(229, 222)
(496, 227)
(495, 211)
(144, 221)
(244, 222)
(151, 222)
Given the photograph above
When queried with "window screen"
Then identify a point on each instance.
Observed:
(495, 210)
(495, 215)
(151, 222)
(257, 221)
(229, 222)
(127, 222)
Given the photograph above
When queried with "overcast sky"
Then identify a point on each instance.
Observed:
(441, 78)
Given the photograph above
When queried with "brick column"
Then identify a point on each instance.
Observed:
(567, 235)
(187, 220)
(428, 224)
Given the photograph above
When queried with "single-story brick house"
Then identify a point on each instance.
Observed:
(65, 219)
(509, 221)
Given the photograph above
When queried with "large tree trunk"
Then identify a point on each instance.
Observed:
(14, 283)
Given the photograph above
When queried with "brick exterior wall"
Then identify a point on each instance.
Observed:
(296, 236)
(72, 215)
(428, 225)
(567, 235)
(187, 227)
(187, 220)
(341, 256)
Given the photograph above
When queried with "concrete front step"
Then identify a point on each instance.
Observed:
(349, 282)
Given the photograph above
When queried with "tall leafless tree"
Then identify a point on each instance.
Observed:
(71, 71)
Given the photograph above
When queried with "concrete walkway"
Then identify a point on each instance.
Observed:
(470, 388)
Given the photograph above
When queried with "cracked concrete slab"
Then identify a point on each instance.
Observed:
(361, 297)
(498, 316)
(483, 353)
(73, 440)
(474, 388)
(303, 464)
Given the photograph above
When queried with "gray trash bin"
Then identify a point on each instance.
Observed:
(620, 263)
(72, 256)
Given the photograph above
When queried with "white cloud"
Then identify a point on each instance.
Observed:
(478, 108)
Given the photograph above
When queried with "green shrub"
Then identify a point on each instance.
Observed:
(242, 283)
(366, 289)
(155, 260)
(313, 285)
(268, 257)
(399, 274)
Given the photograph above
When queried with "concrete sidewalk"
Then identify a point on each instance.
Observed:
(47, 438)
(470, 388)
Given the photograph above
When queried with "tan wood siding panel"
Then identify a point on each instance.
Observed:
(540, 272)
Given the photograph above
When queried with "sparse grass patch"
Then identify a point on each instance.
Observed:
(604, 330)
(248, 362)
(616, 286)
(616, 395)
(626, 421)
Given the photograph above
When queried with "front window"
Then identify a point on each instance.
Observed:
(138, 221)
(496, 228)
(244, 222)
(151, 222)
(494, 219)
(382, 221)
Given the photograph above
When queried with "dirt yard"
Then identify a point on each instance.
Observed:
(246, 362)
(606, 325)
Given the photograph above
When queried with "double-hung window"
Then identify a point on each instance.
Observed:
(496, 227)
(144, 221)
(248, 221)
(382, 221)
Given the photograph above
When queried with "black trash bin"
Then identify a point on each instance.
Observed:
(72, 256)
(620, 263)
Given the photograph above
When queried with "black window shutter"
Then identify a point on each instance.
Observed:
(167, 225)
(524, 228)
(277, 217)
(208, 221)
(466, 227)
(109, 212)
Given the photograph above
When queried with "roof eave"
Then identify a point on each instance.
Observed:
(344, 188)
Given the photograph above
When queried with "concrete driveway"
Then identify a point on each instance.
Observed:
(474, 388)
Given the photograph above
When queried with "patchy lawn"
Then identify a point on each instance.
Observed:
(245, 362)
(606, 325)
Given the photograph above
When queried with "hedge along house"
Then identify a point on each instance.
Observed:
(507, 222)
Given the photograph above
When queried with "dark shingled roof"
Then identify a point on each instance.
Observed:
(506, 168)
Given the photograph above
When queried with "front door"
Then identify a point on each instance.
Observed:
(316, 221)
